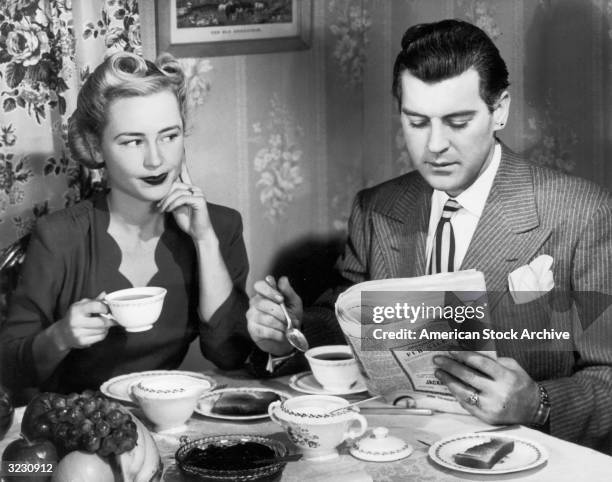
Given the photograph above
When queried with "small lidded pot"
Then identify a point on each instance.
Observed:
(379, 446)
(317, 424)
(167, 401)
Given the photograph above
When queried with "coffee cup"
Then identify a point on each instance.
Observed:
(334, 367)
(315, 425)
(168, 400)
(136, 309)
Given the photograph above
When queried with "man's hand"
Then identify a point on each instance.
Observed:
(506, 393)
(266, 322)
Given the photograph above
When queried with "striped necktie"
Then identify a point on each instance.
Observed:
(443, 253)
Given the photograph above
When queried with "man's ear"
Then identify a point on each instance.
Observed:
(501, 111)
(93, 144)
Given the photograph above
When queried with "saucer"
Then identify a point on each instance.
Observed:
(305, 382)
(118, 387)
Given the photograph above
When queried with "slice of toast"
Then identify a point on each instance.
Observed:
(485, 455)
(245, 403)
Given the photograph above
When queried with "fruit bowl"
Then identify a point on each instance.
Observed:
(88, 436)
(264, 472)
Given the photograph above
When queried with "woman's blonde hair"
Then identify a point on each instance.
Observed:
(121, 75)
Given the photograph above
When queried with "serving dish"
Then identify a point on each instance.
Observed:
(265, 473)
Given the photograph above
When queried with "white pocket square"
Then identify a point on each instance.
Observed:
(531, 281)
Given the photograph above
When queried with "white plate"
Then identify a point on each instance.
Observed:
(118, 387)
(206, 402)
(305, 382)
(526, 454)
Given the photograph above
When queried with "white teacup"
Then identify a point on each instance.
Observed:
(136, 309)
(168, 400)
(313, 428)
(334, 367)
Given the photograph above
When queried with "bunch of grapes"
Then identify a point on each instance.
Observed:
(88, 421)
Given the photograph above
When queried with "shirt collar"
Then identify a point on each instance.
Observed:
(474, 198)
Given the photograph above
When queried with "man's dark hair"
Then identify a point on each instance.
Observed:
(438, 51)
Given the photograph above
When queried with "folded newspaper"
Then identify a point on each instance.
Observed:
(396, 326)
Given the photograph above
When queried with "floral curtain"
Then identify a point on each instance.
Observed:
(44, 57)
(47, 49)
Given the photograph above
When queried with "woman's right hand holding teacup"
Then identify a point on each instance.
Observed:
(83, 324)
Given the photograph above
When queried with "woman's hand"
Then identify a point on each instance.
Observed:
(188, 205)
(83, 324)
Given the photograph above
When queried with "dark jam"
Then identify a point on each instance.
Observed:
(241, 456)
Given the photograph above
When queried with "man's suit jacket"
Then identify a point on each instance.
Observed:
(530, 211)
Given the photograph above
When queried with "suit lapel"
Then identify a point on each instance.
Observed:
(400, 226)
(509, 233)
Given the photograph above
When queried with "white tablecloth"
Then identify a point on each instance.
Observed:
(567, 461)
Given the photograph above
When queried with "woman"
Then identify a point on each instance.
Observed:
(152, 227)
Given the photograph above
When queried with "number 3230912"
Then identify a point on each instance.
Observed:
(18, 468)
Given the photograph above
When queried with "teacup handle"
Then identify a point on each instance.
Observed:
(109, 316)
(272, 409)
(356, 432)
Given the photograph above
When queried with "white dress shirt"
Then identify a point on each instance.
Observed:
(472, 202)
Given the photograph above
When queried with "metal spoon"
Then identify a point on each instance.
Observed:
(294, 336)
(355, 404)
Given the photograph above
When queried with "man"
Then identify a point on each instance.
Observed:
(451, 86)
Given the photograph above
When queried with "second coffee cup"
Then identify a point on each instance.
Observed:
(334, 367)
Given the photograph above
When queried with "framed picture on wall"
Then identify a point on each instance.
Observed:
(206, 28)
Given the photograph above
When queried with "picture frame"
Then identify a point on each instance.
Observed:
(203, 28)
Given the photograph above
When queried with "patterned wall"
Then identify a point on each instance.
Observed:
(559, 61)
(288, 138)
(302, 132)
